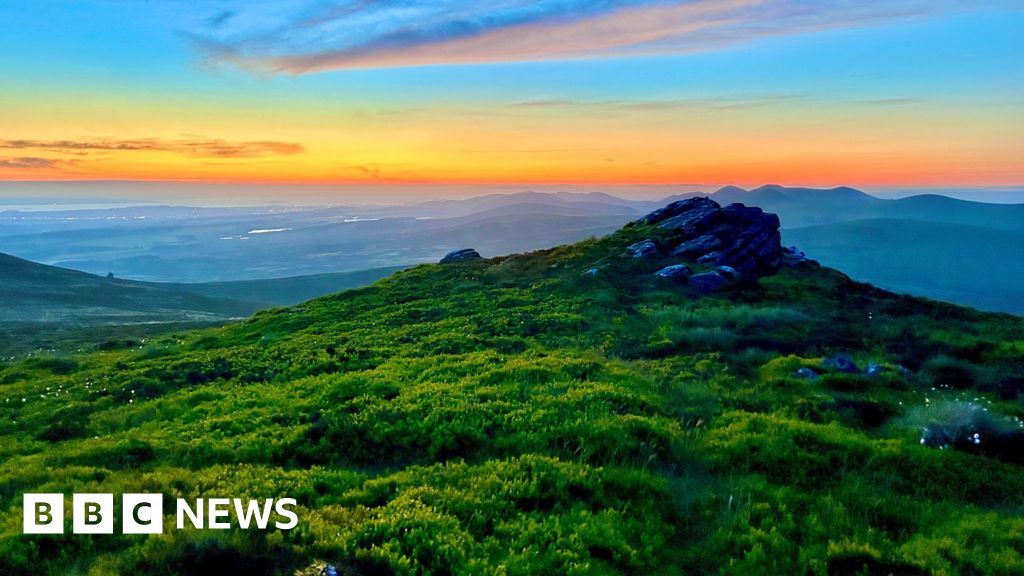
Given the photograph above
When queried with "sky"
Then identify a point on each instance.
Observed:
(358, 96)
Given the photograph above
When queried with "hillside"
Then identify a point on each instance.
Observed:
(566, 411)
(34, 293)
(52, 308)
(981, 267)
(285, 291)
(802, 207)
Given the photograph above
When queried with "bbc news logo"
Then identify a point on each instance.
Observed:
(144, 514)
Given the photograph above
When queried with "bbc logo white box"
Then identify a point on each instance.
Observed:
(142, 514)
(93, 514)
(43, 514)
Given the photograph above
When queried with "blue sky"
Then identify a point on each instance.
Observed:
(901, 72)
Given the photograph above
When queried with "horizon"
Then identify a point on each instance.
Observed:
(87, 195)
(881, 96)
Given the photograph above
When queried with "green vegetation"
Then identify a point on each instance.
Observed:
(52, 309)
(517, 416)
(285, 291)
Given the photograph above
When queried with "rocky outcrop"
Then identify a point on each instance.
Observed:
(742, 237)
(679, 272)
(793, 256)
(463, 255)
(644, 249)
(698, 246)
(708, 281)
(840, 363)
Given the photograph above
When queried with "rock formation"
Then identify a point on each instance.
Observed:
(460, 256)
(743, 238)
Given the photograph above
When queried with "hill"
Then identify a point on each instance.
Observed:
(34, 292)
(284, 291)
(564, 411)
(972, 265)
(803, 207)
(48, 307)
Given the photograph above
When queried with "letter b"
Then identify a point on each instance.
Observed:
(43, 514)
(93, 514)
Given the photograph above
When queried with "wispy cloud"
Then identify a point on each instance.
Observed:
(221, 18)
(28, 163)
(195, 147)
(698, 104)
(382, 34)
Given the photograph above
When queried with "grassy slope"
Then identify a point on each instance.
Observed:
(34, 292)
(285, 291)
(57, 309)
(514, 416)
(983, 267)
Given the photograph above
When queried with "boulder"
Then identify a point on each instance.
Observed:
(729, 272)
(644, 249)
(744, 238)
(463, 255)
(792, 256)
(711, 258)
(840, 363)
(680, 272)
(688, 206)
(708, 281)
(698, 246)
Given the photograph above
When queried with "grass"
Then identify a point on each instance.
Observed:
(516, 416)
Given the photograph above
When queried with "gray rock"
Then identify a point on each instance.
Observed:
(742, 237)
(697, 247)
(695, 220)
(711, 258)
(841, 363)
(675, 272)
(644, 249)
(688, 206)
(805, 374)
(792, 256)
(463, 255)
(729, 272)
(708, 281)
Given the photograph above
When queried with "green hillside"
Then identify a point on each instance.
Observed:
(973, 265)
(33, 293)
(524, 415)
(290, 290)
(52, 308)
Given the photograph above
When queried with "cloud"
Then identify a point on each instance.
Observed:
(221, 18)
(699, 104)
(28, 162)
(190, 146)
(381, 34)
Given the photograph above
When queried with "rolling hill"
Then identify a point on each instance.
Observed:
(173, 244)
(575, 410)
(284, 291)
(803, 207)
(34, 293)
(47, 307)
(980, 267)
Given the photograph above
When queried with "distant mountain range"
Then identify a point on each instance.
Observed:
(930, 245)
(799, 207)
